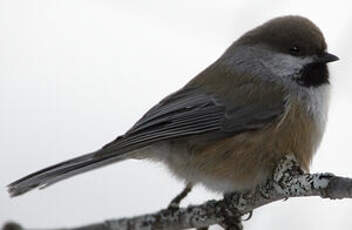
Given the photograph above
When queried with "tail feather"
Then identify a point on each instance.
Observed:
(50, 175)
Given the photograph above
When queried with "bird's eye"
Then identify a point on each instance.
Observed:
(294, 50)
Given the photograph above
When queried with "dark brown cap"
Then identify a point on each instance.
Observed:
(289, 34)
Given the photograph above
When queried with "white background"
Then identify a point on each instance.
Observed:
(75, 74)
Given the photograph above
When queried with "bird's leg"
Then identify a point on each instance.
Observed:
(175, 203)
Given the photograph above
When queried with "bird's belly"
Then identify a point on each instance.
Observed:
(235, 164)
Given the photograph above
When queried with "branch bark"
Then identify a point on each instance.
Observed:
(288, 181)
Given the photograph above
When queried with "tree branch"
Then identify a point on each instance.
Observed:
(288, 181)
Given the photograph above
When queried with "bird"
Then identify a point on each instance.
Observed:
(265, 97)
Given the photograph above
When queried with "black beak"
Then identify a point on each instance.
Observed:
(327, 57)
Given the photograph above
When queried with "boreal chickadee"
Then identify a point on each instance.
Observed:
(265, 97)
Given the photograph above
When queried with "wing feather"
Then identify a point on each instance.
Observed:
(186, 112)
(189, 112)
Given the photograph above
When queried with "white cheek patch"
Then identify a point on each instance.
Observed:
(284, 64)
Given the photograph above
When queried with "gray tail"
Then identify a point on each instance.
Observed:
(61, 171)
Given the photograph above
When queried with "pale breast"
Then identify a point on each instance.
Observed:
(316, 102)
